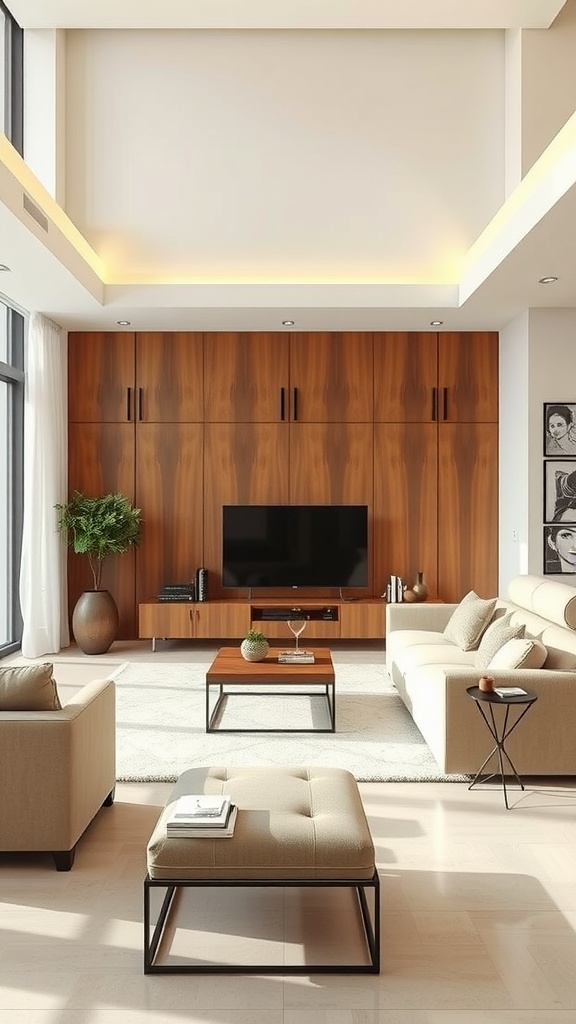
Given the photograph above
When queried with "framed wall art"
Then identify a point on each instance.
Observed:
(559, 492)
(559, 429)
(560, 549)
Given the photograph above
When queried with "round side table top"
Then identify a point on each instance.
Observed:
(494, 698)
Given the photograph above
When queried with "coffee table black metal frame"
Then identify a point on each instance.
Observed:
(501, 727)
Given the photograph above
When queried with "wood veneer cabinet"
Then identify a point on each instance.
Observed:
(185, 423)
(436, 459)
(123, 377)
(193, 620)
(442, 378)
(288, 378)
(135, 408)
(362, 619)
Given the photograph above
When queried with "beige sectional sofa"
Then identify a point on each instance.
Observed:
(431, 674)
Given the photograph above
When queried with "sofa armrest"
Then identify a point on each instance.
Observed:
(432, 617)
(56, 769)
(459, 740)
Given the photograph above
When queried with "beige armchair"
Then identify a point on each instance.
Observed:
(57, 769)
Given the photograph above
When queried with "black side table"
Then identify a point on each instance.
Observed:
(500, 726)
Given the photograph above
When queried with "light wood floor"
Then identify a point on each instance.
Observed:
(478, 916)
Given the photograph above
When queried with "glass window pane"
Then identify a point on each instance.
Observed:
(5, 570)
(2, 71)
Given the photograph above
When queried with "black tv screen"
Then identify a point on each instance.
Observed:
(295, 546)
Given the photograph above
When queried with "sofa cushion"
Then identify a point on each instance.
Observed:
(550, 599)
(494, 637)
(469, 620)
(447, 655)
(28, 688)
(520, 653)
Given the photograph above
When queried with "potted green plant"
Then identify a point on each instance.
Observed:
(98, 527)
(254, 646)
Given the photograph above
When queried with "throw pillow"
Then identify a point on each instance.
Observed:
(495, 636)
(469, 620)
(28, 688)
(526, 653)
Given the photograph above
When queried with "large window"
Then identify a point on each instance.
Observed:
(11, 474)
(12, 79)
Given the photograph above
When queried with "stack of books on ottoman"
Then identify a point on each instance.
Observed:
(202, 817)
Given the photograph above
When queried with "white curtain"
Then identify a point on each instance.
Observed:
(43, 582)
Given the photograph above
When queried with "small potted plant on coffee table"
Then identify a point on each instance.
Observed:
(255, 646)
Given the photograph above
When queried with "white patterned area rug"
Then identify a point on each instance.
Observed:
(160, 715)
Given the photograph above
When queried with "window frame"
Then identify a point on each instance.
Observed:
(13, 80)
(12, 374)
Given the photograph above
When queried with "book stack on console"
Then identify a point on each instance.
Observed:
(178, 592)
(394, 590)
(202, 817)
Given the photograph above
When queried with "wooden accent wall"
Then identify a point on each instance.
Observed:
(185, 422)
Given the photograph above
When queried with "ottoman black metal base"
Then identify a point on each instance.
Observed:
(153, 933)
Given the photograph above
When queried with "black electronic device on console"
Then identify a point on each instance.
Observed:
(202, 584)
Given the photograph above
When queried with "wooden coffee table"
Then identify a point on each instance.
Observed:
(232, 674)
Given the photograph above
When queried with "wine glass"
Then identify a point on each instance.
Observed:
(297, 626)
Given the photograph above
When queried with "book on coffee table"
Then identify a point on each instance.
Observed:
(295, 658)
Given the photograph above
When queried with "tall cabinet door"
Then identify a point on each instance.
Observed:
(246, 378)
(244, 464)
(331, 377)
(468, 377)
(100, 461)
(405, 502)
(405, 377)
(169, 377)
(169, 470)
(467, 510)
(101, 377)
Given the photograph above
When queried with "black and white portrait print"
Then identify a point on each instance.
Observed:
(560, 429)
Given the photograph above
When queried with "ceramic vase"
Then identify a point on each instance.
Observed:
(254, 650)
(95, 621)
(420, 589)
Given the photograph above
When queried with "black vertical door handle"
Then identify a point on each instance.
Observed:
(282, 404)
(140, 403)
(434, 404)
(295, 405)
(444, 403)
(128, 403)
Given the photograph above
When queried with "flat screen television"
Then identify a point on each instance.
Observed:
(295, 546)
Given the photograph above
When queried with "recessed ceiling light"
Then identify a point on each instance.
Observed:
(436, 323)
(288, 323)
(4, 267)
(123, 323)
(547, 280)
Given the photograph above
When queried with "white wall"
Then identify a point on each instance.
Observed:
(514, 453)
(44, 106)
(548, 82)
(382, 150)
(552, 359)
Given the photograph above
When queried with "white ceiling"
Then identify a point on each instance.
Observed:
(61, 276)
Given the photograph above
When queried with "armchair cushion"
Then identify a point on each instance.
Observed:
(28, 688)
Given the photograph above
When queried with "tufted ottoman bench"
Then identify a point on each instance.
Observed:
(301, 827)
